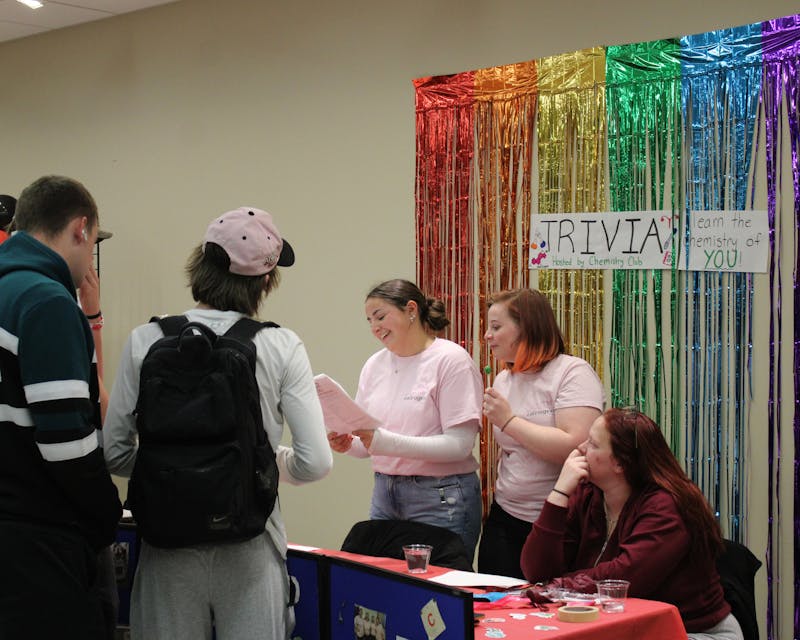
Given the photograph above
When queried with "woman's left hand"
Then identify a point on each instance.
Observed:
(366, 436)
(496, 407)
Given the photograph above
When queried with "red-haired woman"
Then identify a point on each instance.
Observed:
(632, 514)
(541, 406)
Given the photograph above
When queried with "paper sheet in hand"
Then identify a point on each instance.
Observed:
(470, 579)
(341, 414)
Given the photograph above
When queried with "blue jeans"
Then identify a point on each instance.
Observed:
(450, 502)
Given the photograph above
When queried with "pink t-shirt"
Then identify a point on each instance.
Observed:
(523, 479)
(422, 395)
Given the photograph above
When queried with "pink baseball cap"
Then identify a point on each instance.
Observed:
(251, 240)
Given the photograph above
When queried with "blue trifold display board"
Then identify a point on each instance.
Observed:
(125, 551)
(355, 599)
(311, 576)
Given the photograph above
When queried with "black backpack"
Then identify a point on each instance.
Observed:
(205, 471)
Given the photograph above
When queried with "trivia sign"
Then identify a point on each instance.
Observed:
(708, 241)
(609, 240)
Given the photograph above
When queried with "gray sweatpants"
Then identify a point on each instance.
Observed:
(727, 629)
(244, 584)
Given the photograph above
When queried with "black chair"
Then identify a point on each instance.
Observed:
(387, 537)
(737, 568)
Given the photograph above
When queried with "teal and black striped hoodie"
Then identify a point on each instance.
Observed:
(51, 466)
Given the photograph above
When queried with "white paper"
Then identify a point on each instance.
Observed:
(340, 412)
(470, 579)
(432, 620)
(302, 547)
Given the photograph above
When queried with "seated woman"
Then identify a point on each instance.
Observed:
(623, 507)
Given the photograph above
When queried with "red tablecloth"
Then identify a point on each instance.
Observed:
(641, 620)
(514, 619)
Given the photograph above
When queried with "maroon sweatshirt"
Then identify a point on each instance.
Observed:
(649, 547)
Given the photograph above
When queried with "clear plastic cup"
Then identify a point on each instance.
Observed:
(417, 557)
(612, 594)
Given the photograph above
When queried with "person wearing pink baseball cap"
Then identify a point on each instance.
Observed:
(251, 240)
(244, 582)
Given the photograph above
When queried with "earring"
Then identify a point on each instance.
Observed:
(85, 237)
(412, 318)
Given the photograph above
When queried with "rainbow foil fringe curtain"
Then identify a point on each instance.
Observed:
(701, 122)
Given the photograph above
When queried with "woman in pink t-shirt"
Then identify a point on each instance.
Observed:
(541, 405)
(427, 393)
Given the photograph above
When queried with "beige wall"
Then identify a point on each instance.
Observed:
(174, 114)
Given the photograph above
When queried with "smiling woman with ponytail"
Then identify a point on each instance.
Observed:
(426, 392)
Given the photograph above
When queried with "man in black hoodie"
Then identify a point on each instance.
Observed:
(58, 505)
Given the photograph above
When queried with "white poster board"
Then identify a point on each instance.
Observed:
(735, 241)
(607, 240)
(727, 241)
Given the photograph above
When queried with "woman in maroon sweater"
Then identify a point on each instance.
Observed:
(623, 507)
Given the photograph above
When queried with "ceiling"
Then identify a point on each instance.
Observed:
(18, 21)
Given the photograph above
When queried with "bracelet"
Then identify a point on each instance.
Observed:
(505, 424)
(94, 316)
(566, 495)
(97, 324)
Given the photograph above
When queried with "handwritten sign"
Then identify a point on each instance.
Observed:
(708, 241)
(726, 241)
(610, 240)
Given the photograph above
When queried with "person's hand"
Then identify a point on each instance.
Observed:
(89, 293)
(538, 596)
(575, 470)
(366, 436)
(340, 442)
(496, 407)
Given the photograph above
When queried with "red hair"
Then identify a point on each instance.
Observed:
(645, 457)
(540, 339)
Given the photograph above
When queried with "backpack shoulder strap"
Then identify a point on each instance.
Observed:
(244, 329)
(170, 325)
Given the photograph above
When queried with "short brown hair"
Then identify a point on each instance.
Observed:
(49, 204)
(214, 285)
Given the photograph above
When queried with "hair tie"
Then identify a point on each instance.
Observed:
(505, 424)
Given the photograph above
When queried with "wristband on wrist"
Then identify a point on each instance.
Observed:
(566, 495)
(505, 424)
(94, 316)
(97, 323)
